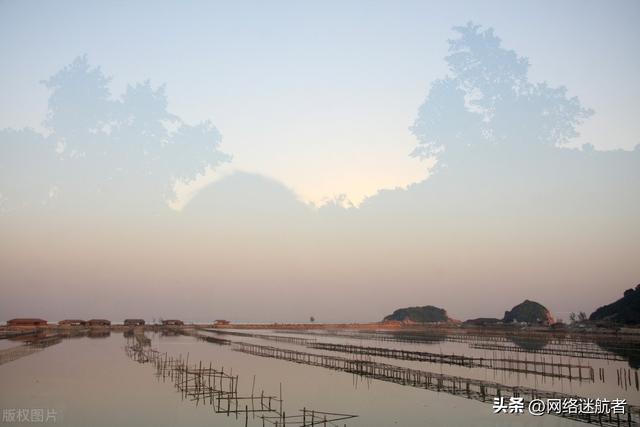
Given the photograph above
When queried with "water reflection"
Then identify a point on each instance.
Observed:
(629, 352)
(314, 372)
(219, 389)
(537, 343)
(98, 333)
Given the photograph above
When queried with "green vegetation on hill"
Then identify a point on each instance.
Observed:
(425, 314)
(626, 310)
(529, 312)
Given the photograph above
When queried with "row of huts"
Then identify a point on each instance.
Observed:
(33, 322)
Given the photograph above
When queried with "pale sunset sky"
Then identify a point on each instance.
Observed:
(316, 206)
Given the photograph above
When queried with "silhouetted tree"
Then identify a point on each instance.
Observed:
(488, 99)
(106, 152)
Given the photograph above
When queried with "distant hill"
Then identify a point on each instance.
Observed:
(626, 310)
(529, 312)
(426, 314)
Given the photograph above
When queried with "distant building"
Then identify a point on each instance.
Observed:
(72, 322)
(27, 322)
(483, 321)
(134, 322)
(172, 322)
(99, 322)
(221, 322)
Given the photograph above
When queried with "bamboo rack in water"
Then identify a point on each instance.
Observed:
(572, 348)
(505, 336)
(206, 385)
(140, 337)
(525, 366)
(196, 334)
(32, 345)
(278, 338)
(578, 353)
(15, 353)
(509, 364)
(484, 391)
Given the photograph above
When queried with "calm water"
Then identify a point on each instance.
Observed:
(93, 382)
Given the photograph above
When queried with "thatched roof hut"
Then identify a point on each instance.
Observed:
(134, 322)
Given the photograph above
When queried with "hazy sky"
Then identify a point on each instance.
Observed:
(315, 94)
(299, 119)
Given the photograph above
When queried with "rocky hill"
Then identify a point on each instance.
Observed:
(426, 314)
(529, 312)
(626, 310)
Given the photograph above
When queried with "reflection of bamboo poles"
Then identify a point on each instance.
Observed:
(624, 378)
(14, 353)
(32, 345)
(581, 353)
(17, 334)
(219, 389)
(566, 346)
(525, 366)
(510, 364)
(470, 388)
(308, 418)
(278, 338)
(140, 337)
(213, 340)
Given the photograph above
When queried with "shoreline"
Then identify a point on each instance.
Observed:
(622, 331)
